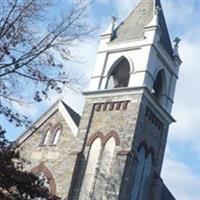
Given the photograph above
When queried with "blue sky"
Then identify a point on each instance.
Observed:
(181, 169)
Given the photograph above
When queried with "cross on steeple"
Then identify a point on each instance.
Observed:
(176, 41)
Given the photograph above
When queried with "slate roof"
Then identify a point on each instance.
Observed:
(75, 116)
(133, 26)
(166, 194)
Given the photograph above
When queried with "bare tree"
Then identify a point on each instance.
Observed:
(35, 50)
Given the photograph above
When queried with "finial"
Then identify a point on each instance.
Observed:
(110, 31)
(176, 41)
(114, 19)
(176, 45)
(157, 10)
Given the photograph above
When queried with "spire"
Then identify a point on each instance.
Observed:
(133, 27)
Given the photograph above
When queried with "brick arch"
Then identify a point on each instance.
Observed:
(95, 136)
(47, 173)
(114, 135)
(103, 138)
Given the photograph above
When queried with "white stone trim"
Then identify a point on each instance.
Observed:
(166, 59)
(68, 119)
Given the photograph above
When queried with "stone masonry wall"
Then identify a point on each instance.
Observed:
(58, 159)
(111, 115)
(130, 118)
(134, 123)
(152, 130)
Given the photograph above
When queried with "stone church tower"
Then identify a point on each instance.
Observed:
(126, 116)
(116, 151)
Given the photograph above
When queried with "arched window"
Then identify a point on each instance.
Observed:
(44, 179)
(119, 74)
(104, 167)
(45, 137)
(46, 176)
(159, 84)
(55, 136)
(138, 174)
(142, 175)
(92, 162)
(145, 176)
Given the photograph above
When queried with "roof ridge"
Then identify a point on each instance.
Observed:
(68, 106)
(74, 115)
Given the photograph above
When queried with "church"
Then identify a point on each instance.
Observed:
(115, 150)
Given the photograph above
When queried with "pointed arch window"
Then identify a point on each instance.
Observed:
(145, 175)
(56, 136)
(92, 162)
(45, 137)
(142, 175)
(159, 85)
(99, 161)
(138, 174)
(104, 166)
(119, 74)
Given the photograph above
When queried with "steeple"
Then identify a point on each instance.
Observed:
(133, 27)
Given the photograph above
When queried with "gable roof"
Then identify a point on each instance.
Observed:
(75, 116)
(133, 26)
(71, 117)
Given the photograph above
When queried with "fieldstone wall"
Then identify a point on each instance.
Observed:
(101, 117)
(134, 120)
(58, 159)
(152, 128)
(151, 131)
